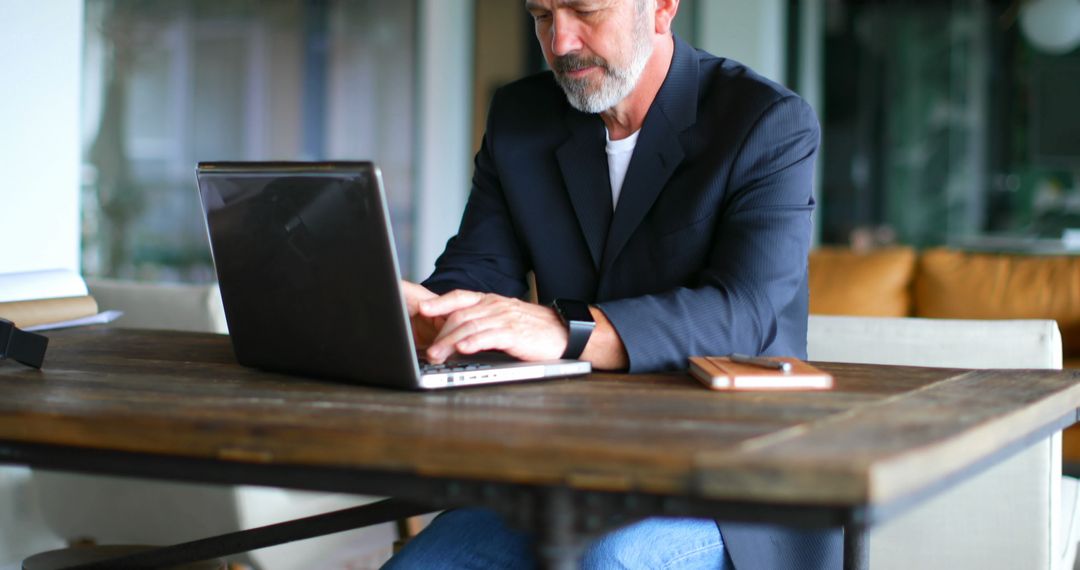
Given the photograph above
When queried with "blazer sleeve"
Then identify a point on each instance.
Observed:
(486, 254)
(754, 281)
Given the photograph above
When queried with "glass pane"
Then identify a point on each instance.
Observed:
(168, 83)
(946, 124)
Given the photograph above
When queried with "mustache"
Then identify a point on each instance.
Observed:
(575, 62)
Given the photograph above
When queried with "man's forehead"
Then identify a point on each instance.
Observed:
(549, 4)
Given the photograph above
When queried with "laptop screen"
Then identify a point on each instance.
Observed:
(307, 268)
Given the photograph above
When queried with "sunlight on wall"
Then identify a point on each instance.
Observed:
(39, 134)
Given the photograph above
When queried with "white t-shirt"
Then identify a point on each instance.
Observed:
(618, 160)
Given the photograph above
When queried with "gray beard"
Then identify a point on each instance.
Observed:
(615, 83)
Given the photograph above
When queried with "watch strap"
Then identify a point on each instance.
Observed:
(580, 331)
(579, 324)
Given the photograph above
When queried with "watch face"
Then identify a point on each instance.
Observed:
(574, 310)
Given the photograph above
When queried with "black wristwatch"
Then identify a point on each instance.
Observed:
(579, 322)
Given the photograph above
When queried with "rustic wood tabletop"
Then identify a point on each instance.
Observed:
(881, 434)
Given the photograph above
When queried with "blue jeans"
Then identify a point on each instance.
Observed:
(478, 539)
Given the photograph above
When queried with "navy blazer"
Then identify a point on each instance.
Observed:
(706, 252)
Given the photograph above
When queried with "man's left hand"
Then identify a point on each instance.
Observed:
(477, 322)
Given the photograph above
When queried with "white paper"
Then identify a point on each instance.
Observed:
(98, 319)
(47, 284)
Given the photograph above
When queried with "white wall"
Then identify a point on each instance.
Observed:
(445, 162)
(750, 32)
(40, 45)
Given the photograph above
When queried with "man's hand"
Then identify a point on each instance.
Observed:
(424, 329)
(475, 322)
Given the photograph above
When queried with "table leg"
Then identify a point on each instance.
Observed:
(557, 545)
(856, 547)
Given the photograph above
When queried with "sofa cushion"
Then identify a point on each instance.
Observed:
(963, 285)
(870, 284)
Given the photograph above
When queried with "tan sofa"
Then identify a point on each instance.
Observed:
(946, 283)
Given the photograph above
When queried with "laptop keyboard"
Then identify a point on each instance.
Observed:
(457, 366)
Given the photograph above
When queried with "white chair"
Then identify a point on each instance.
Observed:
(116, 510)
(169, 306)
(23, 531)
(1008, 517)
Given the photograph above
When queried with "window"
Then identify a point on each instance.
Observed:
(944, 123)
(169, 83)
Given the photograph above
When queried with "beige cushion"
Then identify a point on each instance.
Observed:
(876, 283)
(960, 285)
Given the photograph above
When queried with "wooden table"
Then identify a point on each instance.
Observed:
(567, 459)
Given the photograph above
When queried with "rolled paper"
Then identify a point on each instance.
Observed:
(44, 311)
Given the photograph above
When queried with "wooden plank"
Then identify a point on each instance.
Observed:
(183, 394)
(885, 450)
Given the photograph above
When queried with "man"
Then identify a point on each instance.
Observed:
(664, 194)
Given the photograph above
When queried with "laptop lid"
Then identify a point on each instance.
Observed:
(308, 271)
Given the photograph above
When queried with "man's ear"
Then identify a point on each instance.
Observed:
(665, 13)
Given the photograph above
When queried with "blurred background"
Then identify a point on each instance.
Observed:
(944, 122)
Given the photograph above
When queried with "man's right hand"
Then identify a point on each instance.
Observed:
(425, 329)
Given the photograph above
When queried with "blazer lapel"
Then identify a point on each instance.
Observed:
(583, 162)
(649, 170)
(658, 152)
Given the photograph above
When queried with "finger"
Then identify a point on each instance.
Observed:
(481, 310)
(445, 346)
(424, 331)
(532, 335)
(443, 305)
(513, 313)
(414, 294)
(489, 339)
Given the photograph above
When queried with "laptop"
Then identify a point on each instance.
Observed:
(309, 279)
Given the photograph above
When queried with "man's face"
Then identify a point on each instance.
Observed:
(597, 48)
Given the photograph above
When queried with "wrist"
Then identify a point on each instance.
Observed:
(605, 350)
